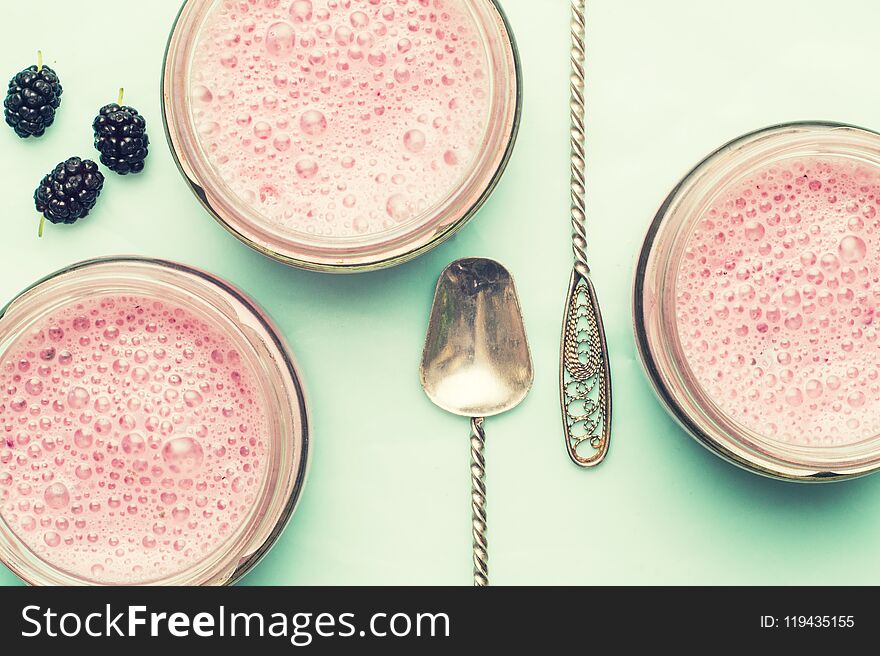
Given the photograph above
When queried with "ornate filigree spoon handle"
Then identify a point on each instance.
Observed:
(584, 372)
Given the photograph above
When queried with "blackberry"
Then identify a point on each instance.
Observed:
(121, 138)
(69, 192)
(33, 96)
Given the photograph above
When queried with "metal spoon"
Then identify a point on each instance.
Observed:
(584, 370)
(476, 364)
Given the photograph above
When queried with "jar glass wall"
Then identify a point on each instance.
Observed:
(755, 286)
(155, 428)
(336, 137)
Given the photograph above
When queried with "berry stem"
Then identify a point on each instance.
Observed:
(42, 223)
(121, 94)
(39, 60)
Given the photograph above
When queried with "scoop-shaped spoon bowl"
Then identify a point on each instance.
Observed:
(476, 361)
(477, 364)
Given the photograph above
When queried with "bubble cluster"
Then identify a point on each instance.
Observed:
(300, 105)
(133, 442)
(776, 298)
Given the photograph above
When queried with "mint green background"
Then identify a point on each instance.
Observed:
(387, 500)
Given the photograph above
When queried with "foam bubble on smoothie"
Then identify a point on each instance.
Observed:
(329, 115)
(777, 298)
(133, 439)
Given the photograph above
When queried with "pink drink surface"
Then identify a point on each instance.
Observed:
(777, 299)
(132, 439)
(341, 118)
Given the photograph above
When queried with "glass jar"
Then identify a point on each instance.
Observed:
(228, 312)
(398, 231)
(655, 300)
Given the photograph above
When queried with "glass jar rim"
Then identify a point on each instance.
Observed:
(214, 298)
(246, 225)
(655, 330)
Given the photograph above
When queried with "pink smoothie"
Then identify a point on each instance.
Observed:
(132, 439)
(341, 118)
(777, 298)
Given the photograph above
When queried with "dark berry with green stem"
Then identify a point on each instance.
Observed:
(121, 138)
(69, 192)
(32, 99)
